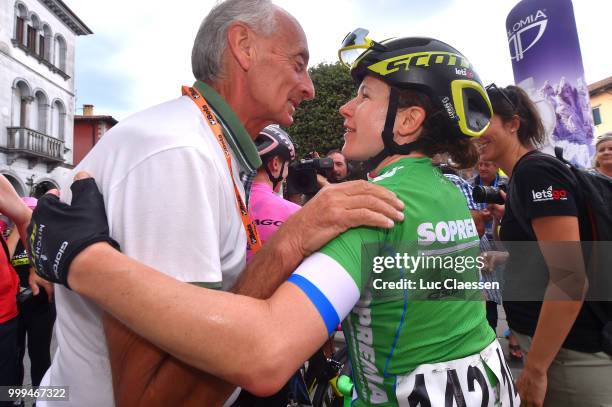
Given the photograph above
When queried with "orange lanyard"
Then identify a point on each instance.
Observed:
(253, 241)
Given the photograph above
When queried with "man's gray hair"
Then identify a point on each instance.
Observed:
(211, 41)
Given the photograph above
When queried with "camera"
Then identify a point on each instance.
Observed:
(302, 177)
(489, 195)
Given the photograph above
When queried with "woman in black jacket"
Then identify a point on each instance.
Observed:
(565, 365)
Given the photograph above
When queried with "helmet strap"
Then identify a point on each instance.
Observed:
(390, 146)
(275, 180)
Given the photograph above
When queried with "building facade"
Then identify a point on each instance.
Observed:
(601, 103)
(88, 129)
(37, 103)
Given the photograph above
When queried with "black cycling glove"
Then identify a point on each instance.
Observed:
(58, 231)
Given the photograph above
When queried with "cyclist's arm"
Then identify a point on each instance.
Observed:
(256, 344)
(146, 375)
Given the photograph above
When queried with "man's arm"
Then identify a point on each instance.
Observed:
(333, 210)
(144, 375)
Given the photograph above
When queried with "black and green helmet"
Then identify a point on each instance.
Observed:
(427, 65)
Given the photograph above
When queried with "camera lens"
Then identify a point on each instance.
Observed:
(485, 194)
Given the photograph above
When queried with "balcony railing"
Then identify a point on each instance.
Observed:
(36, 147)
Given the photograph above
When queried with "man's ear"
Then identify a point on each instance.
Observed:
(409, 120)
(240, 40)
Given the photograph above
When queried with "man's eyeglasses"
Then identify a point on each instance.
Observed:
(494, 87)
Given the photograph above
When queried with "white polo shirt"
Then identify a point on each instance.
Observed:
(170, 204)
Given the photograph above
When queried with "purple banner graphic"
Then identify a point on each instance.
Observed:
(547, 64)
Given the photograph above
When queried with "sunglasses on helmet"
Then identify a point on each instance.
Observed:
(355, 44)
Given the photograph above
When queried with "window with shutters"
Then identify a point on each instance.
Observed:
(41, 46)
(31, 39)
(19, 30)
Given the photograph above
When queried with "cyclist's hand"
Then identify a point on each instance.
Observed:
(338, 207)
(58, 232)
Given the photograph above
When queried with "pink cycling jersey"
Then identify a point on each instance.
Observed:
(268, 210)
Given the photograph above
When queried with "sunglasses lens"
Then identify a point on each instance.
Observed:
(350, 55)
(476, 110)
(356, 37)
(353, 45)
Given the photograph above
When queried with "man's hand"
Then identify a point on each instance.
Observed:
(37, 283)
(58, 231)
(486, 214)
(322, 181)
(494, 258)
(497, 211)
(336, 208)
(531, 386)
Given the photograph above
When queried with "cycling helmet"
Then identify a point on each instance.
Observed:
(272, 141)
(427, 65)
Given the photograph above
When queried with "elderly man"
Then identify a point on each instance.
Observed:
(171, 179)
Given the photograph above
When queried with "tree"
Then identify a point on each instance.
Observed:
(317, 125)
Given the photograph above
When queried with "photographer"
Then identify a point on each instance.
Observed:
(565, 364)
(307, 176)
(340, 171)
(487, 185)
(488, 177)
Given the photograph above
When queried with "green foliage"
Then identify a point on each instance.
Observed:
(317, 124)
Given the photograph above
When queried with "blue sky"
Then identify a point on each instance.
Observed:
(139, 54)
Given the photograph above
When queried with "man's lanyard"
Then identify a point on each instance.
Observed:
(253, 241)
